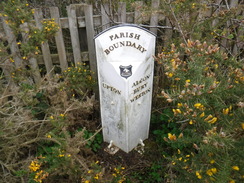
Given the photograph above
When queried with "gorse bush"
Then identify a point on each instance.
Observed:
(205, 94)
(18, 15)
(78, 80)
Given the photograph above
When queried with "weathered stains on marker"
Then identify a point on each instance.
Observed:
(111, 88)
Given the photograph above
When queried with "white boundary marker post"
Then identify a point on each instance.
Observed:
(125, 75)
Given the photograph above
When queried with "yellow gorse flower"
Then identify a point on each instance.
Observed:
(171, 137)
(34, 166)
(198, 175)
(199, 106)
(40, 176)
(213, 120)
(212, 161)
(235, 168)
(211, 171)
(208, 118)
(179, 105)
(227, 110)
(191, 122)
(176, 111)
(202, 115)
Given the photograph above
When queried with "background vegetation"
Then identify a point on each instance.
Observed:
(51, 132)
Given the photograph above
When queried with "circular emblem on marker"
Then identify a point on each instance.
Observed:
(125, 71)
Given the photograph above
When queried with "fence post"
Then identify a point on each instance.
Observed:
(154, 16)
(59, 39)
(122, 12)
(44, 46)
(105, 11)
(73, 27)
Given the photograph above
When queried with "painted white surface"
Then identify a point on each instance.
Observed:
(125, 74)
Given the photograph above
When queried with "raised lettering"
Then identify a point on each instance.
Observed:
(139, 47)
(133, 45)
(122, 35)
(122, 44)
(128, 43)
(116, 36)
(143, 50)
(111, 88)
(137, 36)
(111, 37)
(111, 48)
(116, 45)
(140, 81)
(140, 95)
(107, 51)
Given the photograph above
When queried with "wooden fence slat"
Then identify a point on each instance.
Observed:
(32, 61)
(122, 12)
(8, 68)
(35, 70)
(105, 16)
(88, 10)
(73, 27)
(13, 45)
(154, 16)
(90, 35)
(44, 46)
(138, 13)
(59, 39)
